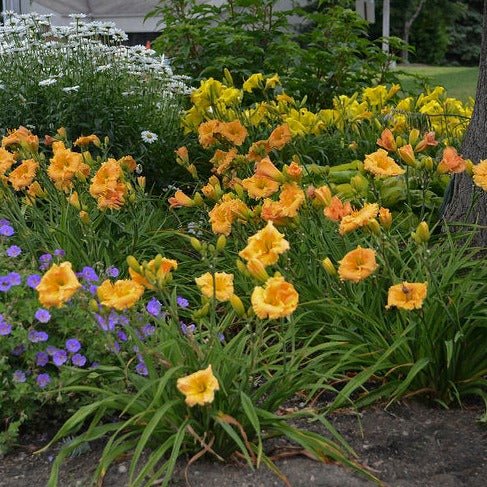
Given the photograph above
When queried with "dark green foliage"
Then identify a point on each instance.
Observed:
(318, 53)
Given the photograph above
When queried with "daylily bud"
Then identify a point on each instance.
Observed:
(198, 199)
(257, 270)
(241, 267)
(239, 190)
(221, 243)
(428, 163)
(195, 243)
(237, 305)
(157, 261)
(407, 154)
(192, 170)
(133, 264)
(413, 136)
(93, 305)
(328, 266)
(385, 218)
(84, 217)
(141, 182)
(422, 233)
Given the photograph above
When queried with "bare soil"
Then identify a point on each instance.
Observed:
(409, 445)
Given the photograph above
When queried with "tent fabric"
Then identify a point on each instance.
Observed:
(105, 8)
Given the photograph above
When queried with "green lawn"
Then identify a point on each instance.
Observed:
(460, 82)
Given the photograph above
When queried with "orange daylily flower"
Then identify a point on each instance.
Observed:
(58, 285)
(23, 175)
(480, 174)
(87, 140)
(451, 162)
(358, 219)
(279, 137)
(276, 299)
(207, 132)
(219, 284)
(234, 132)
(381, 165)
(266, 168)
(119, 295)
(21, 136)
(336, 210)
(357, 265)
(266, 245)
(427, 141)
(180, 199)
(260, 186)
(407, 295)
(387, 141)
(199, 388)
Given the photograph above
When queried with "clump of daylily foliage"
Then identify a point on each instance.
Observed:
(284, 275)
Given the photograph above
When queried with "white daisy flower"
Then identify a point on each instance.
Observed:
(48, 82)
(148, 137)
(71, 89)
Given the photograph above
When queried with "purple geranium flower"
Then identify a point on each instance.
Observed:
(42, 358)
(33, 280)
(89, 274)
(14, 278)
(182, 302)
(37, 336)
(5, 328)
(112, 271)
(148, 330)
(45, 261)
(154, 307)
(122, 336)
(6, 230)
(13, 251)
(59, 253)
(11, 279)
(73, 345)
(43, 380)
(5, 284)
(59, 357)
(18, 350)
(141, 369)
(19, 376)
(78, 360)
(42, 315)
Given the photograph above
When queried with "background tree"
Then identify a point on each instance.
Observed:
(465, 202)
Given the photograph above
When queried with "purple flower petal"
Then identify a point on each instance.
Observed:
(73, 345)
(43, 380)
(78, 360)
(42, 315)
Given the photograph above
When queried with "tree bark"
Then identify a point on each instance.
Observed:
(465, 202)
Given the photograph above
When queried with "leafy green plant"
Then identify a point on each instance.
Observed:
(255, 374)
(330, 55)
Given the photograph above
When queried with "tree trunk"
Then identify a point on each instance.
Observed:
(465, 202)
(408, 23)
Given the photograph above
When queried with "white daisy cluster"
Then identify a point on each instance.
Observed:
(52, 53)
